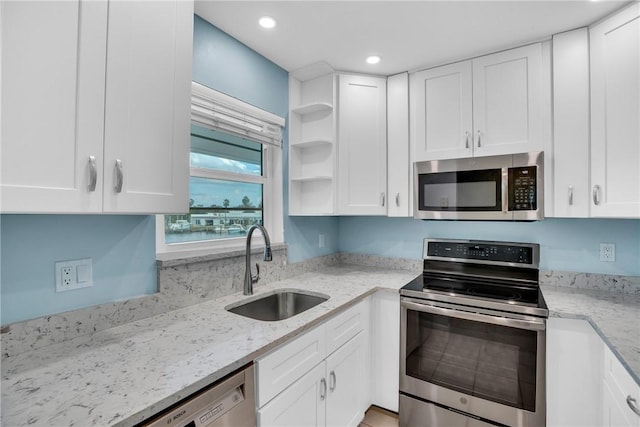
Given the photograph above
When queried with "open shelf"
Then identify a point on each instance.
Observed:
(315, 142)
(311, 178)
(313, 107)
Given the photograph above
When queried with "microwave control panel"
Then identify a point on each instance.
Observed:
(522, 189)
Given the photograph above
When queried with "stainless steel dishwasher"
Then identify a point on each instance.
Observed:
(229, 402)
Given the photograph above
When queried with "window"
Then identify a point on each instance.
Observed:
(236, 177)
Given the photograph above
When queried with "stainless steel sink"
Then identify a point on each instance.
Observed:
(278, 305)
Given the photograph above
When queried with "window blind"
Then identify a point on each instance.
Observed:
(215, 110)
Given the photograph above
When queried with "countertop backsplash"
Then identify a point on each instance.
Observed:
(187, 281)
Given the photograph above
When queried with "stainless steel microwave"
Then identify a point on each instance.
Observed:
(493, 188)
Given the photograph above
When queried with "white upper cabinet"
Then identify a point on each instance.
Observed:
(95, 106)
(148, 97)
(441, 110)
(490, 105)
(568, 161)
(362, 145)
(398, 165)
(53, 67)
(615, 113)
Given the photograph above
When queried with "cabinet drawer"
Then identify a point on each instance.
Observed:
(346, 325)
(620, 385)
(283, 366)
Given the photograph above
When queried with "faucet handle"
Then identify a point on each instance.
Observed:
(254, 279)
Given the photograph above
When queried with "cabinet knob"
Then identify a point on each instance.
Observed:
(398, 199)
(570, 195)
(382, 197)
(119, 176)
(466, 145)
(596, 195)
(93, 173)
(478, 138)
(633, 405)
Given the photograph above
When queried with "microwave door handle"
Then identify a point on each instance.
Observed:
(503, 192)
(531, 325)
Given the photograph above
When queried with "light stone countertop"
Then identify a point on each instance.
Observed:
(122, 375)
(125, 374)
(615, 316)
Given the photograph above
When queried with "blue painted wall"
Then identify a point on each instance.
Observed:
(565, 244)
(122, 249)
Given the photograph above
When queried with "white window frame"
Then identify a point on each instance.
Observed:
(271, 178)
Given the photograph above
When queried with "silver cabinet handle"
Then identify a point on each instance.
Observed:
(570, 195)
(478, 138)
(382, 196)
(119, 176)
(323, 389)
(632, 404)
(466, 145)
(596, 194)
(398, 199)
(93, 173)
(332, 380)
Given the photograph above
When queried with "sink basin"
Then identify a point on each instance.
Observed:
(278, 305)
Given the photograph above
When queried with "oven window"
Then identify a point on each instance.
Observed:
(461, 191)
(493, 362)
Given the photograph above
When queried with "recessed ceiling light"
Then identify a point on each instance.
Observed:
(267, 22)
(373, 59)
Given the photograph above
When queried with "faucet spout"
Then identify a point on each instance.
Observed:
(250, 279)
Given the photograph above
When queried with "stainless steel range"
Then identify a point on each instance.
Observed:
(473, 331)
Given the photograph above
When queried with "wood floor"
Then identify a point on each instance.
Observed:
(378, 417)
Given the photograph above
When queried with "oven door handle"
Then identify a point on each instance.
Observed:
(531, 325)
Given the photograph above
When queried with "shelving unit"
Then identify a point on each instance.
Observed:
(312, 136)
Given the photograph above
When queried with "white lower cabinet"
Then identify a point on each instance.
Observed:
(320, 378)
(619, 393)
(574, 373)
(586, 383)
(299, 404)
(385, 349)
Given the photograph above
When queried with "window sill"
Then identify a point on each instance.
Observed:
(170, 259)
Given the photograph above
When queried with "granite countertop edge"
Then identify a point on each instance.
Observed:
(118, 360)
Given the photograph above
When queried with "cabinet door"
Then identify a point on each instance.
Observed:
(398, 165)
(615, 108)
(362, 145)
(618, 387)
(147, 116)
(303, 404)
(574, 373)
(385, 338)
(53, 59)
(441, 112)
(282, 367)
(569, 160)
(345, 378)
(507, 101)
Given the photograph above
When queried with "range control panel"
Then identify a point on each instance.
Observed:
(485, 251)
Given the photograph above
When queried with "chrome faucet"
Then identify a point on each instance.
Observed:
(250, 279)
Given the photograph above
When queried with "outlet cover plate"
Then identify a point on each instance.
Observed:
(607, 252)
(75, 274)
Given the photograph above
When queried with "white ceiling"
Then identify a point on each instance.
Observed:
(408, 35)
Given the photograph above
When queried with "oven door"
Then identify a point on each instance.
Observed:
(474, 361)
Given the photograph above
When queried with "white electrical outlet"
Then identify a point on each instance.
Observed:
(607, 252)
(74, 274)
